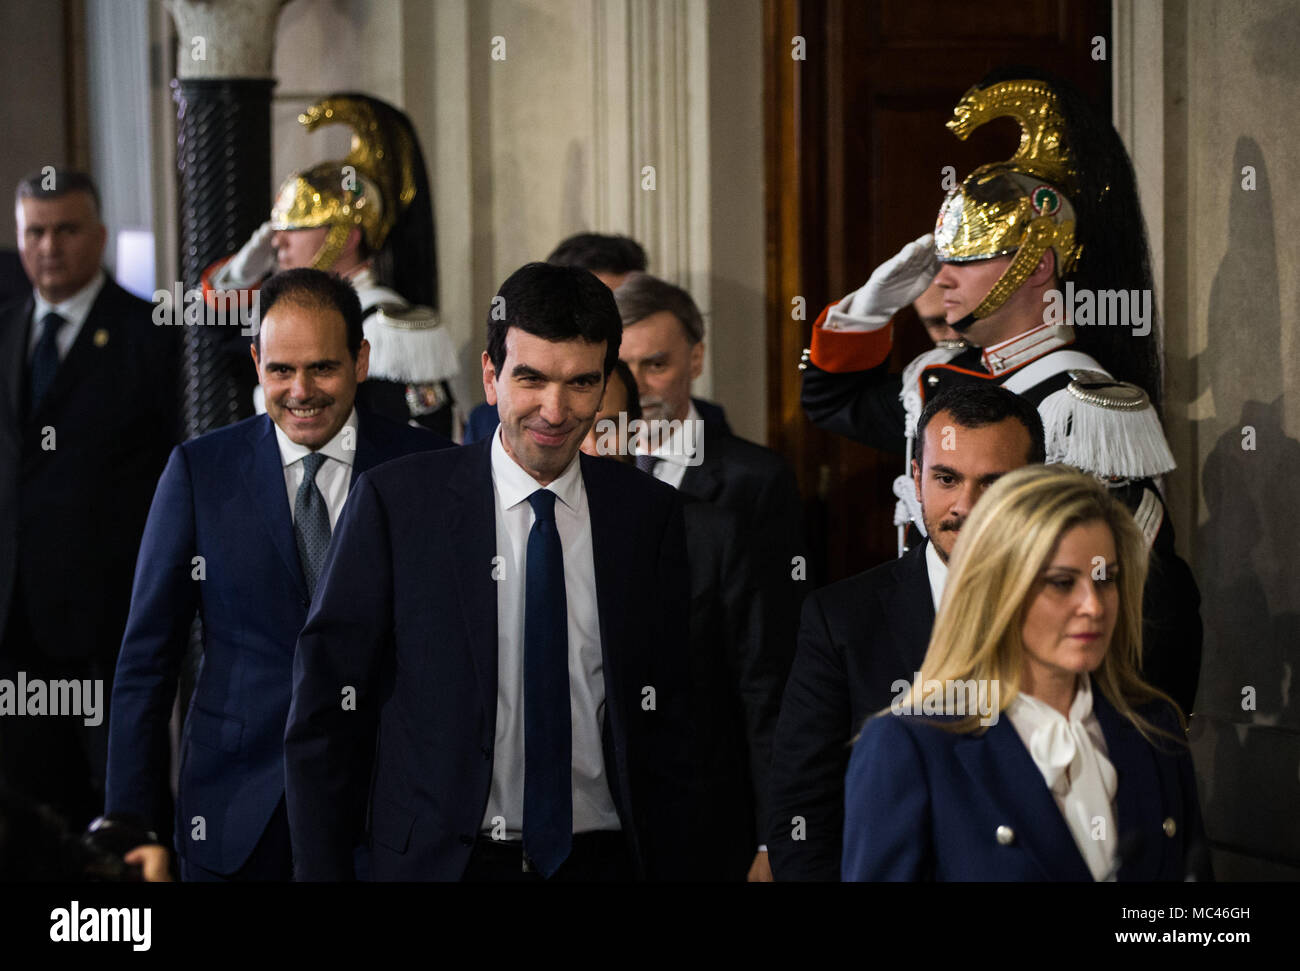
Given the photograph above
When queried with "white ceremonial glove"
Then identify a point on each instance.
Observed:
(255, 259)
(894, 284)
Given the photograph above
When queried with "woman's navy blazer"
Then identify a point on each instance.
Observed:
(923, 803)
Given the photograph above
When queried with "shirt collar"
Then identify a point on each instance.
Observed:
(937, 570)
(1035, 712)
(1034, 343)
(76, 308)
(514, 485)
(675, 447)
(362, 276)
(342, 447)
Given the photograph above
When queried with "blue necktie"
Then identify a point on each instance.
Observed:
(311, 522)
(548, 746)
(647, 463)
(45, 360)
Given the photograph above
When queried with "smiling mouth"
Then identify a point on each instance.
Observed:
(549, 438)
(305, 412)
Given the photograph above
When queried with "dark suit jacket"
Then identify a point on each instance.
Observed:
(857, 637)
(222, 498)
(758, 486)
(71, 515)
(926, 804)
(418, 642)
(734, 691)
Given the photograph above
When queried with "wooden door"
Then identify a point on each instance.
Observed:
(856, 153)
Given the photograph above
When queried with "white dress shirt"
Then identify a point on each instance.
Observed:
(74, 310)
(593, 806)
(937, 570)
(1071, 755)
(334, 476)
(674, 451)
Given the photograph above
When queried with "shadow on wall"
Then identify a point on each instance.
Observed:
(1247, 734)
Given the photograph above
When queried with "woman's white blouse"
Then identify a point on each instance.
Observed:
(1071, 755)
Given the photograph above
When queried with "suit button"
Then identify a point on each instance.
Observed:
(466, 840)
(306, 604)
(487, 752)
(1169, 826)
(1006, 835)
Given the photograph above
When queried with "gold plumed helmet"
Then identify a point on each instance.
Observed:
(368, 189)
(1019, 206)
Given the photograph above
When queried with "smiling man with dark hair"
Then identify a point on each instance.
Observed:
(238, 532)
(516, 716)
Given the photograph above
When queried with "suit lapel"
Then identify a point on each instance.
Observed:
(367, 454)
(998, 764)
(613, 611)
(705, 481)
(909, 608)
(470, 518)
(13, 361)
(610, 596)
(1137, 773)
(264, 479)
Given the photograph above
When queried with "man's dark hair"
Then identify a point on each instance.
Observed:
(314, 290)
(633, 407)
(600, 254)
(643, 295)
(977, 405)
(44, 184)
(555, 303)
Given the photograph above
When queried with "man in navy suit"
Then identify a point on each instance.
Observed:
(860, 635)
(238, 532)
(88, 413)
(499, 700)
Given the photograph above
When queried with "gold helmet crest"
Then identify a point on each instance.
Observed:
(1021, 205)
(367, 189)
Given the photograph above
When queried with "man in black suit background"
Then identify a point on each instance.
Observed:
(500, 700)
(726, 657)
(860, 635)
(88, 413)
(663, 344)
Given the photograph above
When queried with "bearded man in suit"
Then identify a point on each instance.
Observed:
(859, 636)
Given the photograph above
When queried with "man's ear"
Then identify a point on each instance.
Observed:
(489, 380)
(363, 360)
(916, 478)
(697, 359)
(1045, 270)
(351, 251)
(257, 365)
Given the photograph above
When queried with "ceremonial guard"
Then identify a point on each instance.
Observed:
(368, 218)
(1035, 255)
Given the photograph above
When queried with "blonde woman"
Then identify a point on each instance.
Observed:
(1029, 748)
